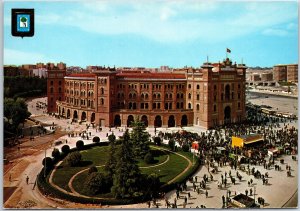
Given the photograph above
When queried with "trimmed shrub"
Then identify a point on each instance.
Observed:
(96, 139)
(98, 183)
(157, 140)
(56, 154)
(65, 149)
(48, 162)
(92, 169)
(73, 159)
(171, 144)
(149, 158)
(80, 145)
(185, 147)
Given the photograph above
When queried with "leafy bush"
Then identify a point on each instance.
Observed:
(171, 144)
(98, 183)
(148, 158)
(79, 145)
(185, 147)
(96, 139)
(73, 159)
(92, 169)
(157, 140)
(56, 154)
(48, 162)
(65, 149)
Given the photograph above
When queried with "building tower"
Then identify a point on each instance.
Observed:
(55, 84)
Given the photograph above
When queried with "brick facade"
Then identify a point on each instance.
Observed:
(211, 95)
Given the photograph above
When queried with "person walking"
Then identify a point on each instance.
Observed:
(27, 180)
(206, 193)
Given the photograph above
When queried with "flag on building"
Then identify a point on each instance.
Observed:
(228, 50)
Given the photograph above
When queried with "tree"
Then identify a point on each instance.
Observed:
(48, 162)
(97, 183)
(79, 145)
(96, 139)
(16, 112)
(56, 154)
(111, 161)
(171, 144)
(140, 139)
(92, 169)
(185, 147)
(127, 173)
(149, 158)
(23, 20)
(65, 149)
(73, 159)
(157, 140)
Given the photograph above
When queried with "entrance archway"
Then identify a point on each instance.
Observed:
(93, 117)
(68, 113)
(184, 120)
(227, 115)
(171, 121)
(117, 121)
(75, 115)
(145, 120)
(130, 120)
(83, 116)
(157, 121)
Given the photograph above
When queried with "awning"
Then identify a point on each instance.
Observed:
(253, 141)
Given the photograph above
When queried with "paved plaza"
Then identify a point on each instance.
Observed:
(276, 193)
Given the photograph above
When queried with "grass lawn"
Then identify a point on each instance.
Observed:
(96, 156)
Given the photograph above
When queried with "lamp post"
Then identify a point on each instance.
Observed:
(45, 165)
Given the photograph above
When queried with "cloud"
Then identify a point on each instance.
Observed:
(275, 32)
(17, 57)
(175, 21)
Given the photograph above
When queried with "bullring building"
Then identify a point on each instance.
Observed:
(213, 94)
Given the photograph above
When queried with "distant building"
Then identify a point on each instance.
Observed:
(208, 96)
(287, 72)
(266, 77)
(255, 77)
(40, 72)
(292, 73)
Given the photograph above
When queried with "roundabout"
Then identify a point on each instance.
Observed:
(170, 167)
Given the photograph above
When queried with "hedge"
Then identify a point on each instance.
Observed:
(49, 190)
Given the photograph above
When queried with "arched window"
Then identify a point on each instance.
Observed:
(181, 96)
(198, 97)
(177, 96)
(51, 90)
(215, 108)
(158, 96)
(227, 92)
(154, 96)
(142, 96)
(198, 107)
(181, 105)
(166, 96)
(177, 105)
(102, 91)
(102, 101)
(198, 86)
(190, 106)
(130, 95)
(190, 95)
(170, 96)
(134, 95)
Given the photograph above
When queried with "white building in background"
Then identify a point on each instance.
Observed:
(40, 72)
